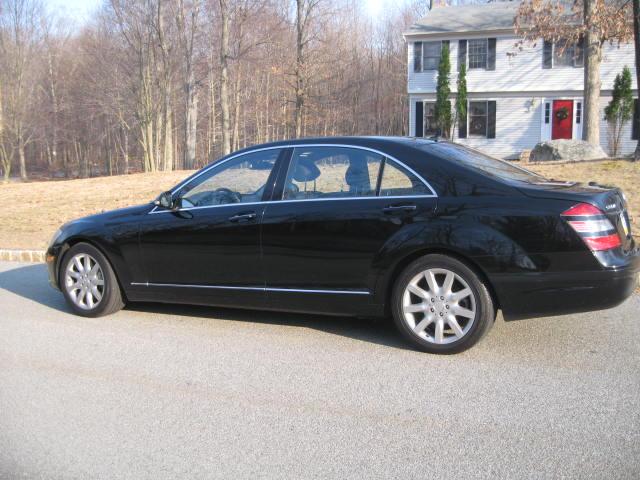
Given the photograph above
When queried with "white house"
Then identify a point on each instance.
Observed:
(517, 98)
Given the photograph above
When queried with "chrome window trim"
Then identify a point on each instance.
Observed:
(270, 202)
(254, 289)
(302, 145)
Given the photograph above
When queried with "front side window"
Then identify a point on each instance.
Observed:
(478, 118)
(397, 182)
(239, 180)
(477, 53)
(431, 55)
(331, 172)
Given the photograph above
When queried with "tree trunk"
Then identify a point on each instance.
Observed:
(299, 70)
(636, 42)
(224, 77)
(23, 163)
(191, 122)
(236, 113)
(592, 83)
(5, 159)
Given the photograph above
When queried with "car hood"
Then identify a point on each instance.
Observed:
(114, 215)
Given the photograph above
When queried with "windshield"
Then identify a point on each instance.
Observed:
(484, 163)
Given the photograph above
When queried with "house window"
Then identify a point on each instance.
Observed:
(547, 113)
(417, 57)
(578, 112)
(567, 55)
(477, 51)
(478, 119)
(430, 128)
(431, 55)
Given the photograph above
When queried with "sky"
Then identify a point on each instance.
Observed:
(79, 10)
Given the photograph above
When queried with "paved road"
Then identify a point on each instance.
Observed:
(184, 392)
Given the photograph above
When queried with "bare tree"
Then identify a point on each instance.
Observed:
(305, 9)
(588, 22)
(224, 76)
(20, 38)
(187, 31)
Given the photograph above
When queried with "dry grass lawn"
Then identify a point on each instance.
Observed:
(31, 212)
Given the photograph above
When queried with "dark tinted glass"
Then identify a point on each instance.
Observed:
(484, 163)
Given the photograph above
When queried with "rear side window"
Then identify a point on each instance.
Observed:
(397, 181)
(478, 161)
(332, 172)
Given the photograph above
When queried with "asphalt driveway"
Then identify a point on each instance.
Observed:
(184, 392)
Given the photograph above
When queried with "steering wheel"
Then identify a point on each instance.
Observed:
(227, 196)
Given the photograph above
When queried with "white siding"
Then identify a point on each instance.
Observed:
(523, 71)
(519, 121)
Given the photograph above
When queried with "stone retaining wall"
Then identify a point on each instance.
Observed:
(13, 255)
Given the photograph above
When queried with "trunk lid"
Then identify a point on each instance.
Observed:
(610, 200)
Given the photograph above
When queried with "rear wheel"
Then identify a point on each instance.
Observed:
(441, 306)
(89, 283)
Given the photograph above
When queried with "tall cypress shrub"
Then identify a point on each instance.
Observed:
(461, 98)
(442, 112)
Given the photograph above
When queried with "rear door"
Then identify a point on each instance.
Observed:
(340, 206)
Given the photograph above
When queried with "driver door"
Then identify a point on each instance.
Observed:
(208, 250)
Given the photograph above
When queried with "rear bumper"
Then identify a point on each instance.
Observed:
(544, 294)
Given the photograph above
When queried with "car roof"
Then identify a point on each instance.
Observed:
(362, 141)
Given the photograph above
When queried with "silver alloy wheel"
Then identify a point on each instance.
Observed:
(439, 306)
(84, 281)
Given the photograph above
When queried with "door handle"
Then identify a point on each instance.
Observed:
(399, 208)
(243, 217)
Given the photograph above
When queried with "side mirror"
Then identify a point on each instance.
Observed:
(165, 200)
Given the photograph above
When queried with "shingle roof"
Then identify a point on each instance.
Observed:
(467, 18)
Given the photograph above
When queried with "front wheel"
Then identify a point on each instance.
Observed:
(441, 306)
(88, 282)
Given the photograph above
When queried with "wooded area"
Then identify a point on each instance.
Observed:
(153, 85)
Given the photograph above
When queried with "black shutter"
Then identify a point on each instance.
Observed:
(491, 119)
(462, 53)
(462, 124)
(417, 56)
(491, 54)
(635, 125)
(419, 119)
(578, 60)
(547, 54)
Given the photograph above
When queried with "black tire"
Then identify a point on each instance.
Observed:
(111, 300)
(484, 309)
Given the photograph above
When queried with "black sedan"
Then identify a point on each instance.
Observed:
(435, 234)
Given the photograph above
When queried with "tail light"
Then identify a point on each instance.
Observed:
(595, 229)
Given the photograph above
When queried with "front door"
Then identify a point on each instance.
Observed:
(562, 123)
(208, 250)
(321, 242)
